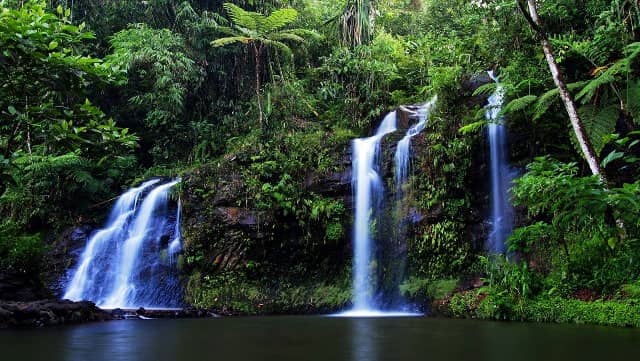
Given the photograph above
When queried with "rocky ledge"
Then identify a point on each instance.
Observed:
(49, 313)
(142, 313)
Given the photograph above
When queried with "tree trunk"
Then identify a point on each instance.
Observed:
(570, 105)
(256, 54)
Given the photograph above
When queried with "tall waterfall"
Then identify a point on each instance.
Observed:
(368, 190)
(501, 208)
(403, 151)
(130, 263)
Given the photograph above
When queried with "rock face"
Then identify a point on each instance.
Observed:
(65, 254)
(219, 212)
(19, 287)
(49, 313)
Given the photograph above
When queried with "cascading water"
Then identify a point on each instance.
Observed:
(176, 245)
(368, 190)
(403, 151)
(501, 178)
(88, 280)
(129, 263)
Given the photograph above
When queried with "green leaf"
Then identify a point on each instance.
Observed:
(615, 155)
(12, 110)
(53, 44)
(473, 127)
(519, 104)
(59, 9)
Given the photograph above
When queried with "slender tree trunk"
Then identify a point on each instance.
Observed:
(569, 103)
(256, 53)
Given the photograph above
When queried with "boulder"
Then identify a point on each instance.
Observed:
(49, 313)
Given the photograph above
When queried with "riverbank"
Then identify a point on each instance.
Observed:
(15, 314)
(42, 313)
(476, 305)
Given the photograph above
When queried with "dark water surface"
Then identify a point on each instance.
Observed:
(319, 338)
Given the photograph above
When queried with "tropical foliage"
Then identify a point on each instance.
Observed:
(255, 103)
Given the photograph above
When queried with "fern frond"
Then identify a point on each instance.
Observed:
(611, 74)
(229, 40)
(278, 19)
(473, 127)
(486, 89)
(304, 33)
(242, 17)
(519, 104)
(546, 100)
(598, 123)
(632, 99)
(278, 45)
(287, 36)
(228, 30)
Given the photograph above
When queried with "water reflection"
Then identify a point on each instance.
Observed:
(110, 341)
(363, 339)
(319, 339)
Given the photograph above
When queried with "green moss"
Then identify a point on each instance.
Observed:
(419, 289)
(500, 306)
(234, 293)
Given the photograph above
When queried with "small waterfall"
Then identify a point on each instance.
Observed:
(176, 245)
(403, 151)
(368, 190)
(88, 280)
(130, 262)
(501, 177)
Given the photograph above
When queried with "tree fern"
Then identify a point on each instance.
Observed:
(546, 100)
(519, 104)
(279, 19)
(609, 75)
(242, 17)
(598, 123)
(486, 89)
(632, 99)
(257, 31)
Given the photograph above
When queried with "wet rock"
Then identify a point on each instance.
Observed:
(49, 313)
(234, 216)
(475, 81)
(63, 255)
(334, 183)
(118, 314)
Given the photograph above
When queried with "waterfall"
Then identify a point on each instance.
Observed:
(176, 244)
(129, 263)
(368, 190)
(403, 151)
(501, 209)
